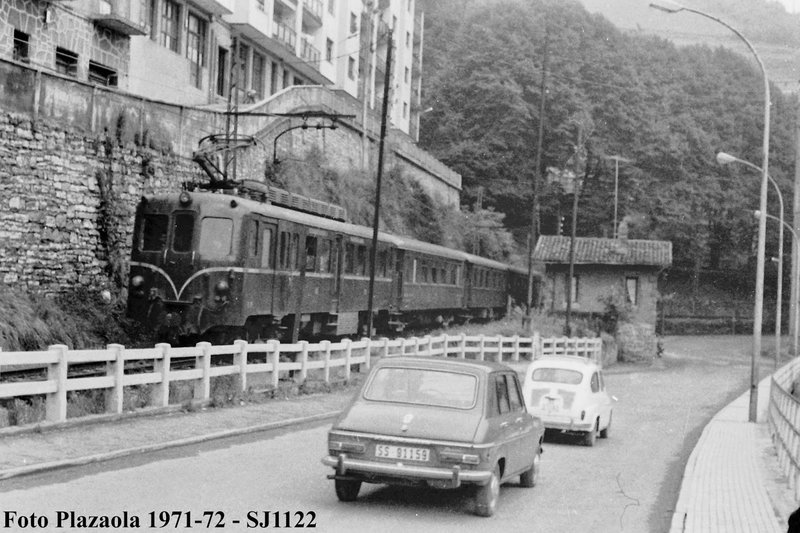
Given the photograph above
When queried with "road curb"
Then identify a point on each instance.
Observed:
(105, 456)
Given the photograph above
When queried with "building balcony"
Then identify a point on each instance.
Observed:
(215, 7)
(309, 53)
(122, 16)
(285, 34)
(312, 13)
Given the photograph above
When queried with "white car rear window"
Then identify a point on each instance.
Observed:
(557, 375)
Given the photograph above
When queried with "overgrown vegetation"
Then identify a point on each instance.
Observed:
(79, 319)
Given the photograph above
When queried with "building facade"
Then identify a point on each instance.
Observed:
(623, 272)
(225, 52)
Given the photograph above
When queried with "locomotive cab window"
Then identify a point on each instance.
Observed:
(154, 232)
(266, 246)
(183, 232)
(216, 236)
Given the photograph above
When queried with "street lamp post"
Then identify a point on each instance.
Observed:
(797, 275)
(762, 220)
(724, 159)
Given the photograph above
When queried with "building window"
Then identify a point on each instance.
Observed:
(353, 23)
(408, 39)
(632, 289)
(407, 75)
(66, 62)
(351, 68)
(405, 109)
(259, 67)
(332, 7)
(22, 49)
(196, 48)
(102, 75)
(170, 24)
(328, 50)
(260, 5)
(222, 69)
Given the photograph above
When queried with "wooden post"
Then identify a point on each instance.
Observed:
(115, 368)
(161, 394)
(240, 360)
(56, 404)
(536, 345)
(202, 387)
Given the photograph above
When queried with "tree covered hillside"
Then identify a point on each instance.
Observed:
(666, 109)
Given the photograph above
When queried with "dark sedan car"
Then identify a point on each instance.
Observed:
(437, 422)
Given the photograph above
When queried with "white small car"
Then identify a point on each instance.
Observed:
(569, 394)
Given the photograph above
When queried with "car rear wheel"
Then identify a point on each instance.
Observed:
(604, 432)
(347, 489)
(530, 477)
(590, 436)
(486, 496)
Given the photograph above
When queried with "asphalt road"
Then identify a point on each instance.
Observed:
(628, 482)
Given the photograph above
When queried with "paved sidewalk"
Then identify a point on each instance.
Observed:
(727, 486)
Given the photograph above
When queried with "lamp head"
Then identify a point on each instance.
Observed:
(670, 7)
(724, 159)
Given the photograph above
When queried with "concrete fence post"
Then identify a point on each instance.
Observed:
(462, 345)
(116, 368)
(348, 354)
(161, 366)
(427, 341)
(326, 357)
(536, 346)
(385, 351)
(240, 360)
(481, 346)
(303, 361)
(368, 353)
(515, 345)
(275, 357)
(56, 403)
(202, 387)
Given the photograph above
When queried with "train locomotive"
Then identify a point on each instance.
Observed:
(249, 263)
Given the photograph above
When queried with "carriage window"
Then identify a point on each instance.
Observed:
(216, 236)
(325, 255)
(266, 247)
(183, 231)
(154, 232)
(283, 252)
(311, 253)
(294, 249)
(349, 256)
(458, 275)
(252, 240)
(383, 259)
(434, 276)
(423, 273)
(361, 259)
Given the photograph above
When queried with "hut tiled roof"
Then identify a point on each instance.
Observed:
(601, 251)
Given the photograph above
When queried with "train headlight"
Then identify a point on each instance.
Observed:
(185, 198)
(137, 282)
(221, 287)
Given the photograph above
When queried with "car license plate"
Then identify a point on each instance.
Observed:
(551, 406)
(402, 452)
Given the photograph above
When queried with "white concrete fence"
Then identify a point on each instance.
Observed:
(157, 367)
(784, 421)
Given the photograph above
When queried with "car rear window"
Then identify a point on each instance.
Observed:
(423, 387)
(557, 375)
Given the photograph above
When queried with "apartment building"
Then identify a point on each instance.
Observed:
(214, 52)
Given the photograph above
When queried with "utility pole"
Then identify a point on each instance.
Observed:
(365, 83)
(575, 192)
(533, 234)
(373, 253)
(794, 312)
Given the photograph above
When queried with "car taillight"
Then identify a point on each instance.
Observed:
(457, 456)
(346, 446)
